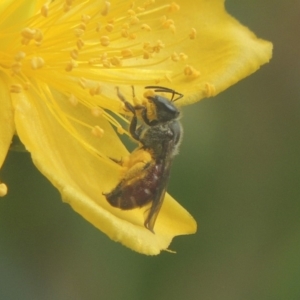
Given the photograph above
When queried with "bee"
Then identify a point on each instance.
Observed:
(148, 166)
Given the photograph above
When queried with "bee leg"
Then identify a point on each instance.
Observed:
(133, 123)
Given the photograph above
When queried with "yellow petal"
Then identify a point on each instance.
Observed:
(82, 177)
(7, 127)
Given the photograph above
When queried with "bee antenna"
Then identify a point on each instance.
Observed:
(161, 89)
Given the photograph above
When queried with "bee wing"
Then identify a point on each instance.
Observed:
(161, 191)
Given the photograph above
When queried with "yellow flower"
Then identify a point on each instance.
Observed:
(60, 63)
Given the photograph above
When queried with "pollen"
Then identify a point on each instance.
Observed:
(97, 131)
(3, 189)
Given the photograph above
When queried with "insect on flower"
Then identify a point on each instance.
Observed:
(148, 166)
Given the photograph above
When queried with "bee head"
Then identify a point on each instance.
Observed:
(165, 109)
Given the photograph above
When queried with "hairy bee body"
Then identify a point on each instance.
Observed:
(146, 180)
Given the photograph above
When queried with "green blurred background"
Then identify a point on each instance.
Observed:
(238, 174)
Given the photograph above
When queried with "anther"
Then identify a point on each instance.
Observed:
(210, 89)
(96, 90)
(16, 88)
(97, 131)
(97, 111)
(126, 53)
(71, 65)
(80, 43)
(193, 34)
(74, 54)
(106, 8)
(191, 72)
(73, 100)
(146, 27)
(174, 7)
(20, 55)
(45, 10)
(37, 62)
(85, 18)
(104, 40)
(109, 27)
(115, 61)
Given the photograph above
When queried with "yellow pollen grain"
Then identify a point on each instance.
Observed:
(109, 27)
(3, 189)
(146, 27)
(104, 40)
(210, 89)
(73, 100)
(97, 111)
(37, 62)
(191, 72)
(38, 36)
(174, 7)
(127, 53)
(16, 88)
(45, 10)
(106, 8)
(79, 44)
(193, 34)
(172, 28)
(97, 131)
